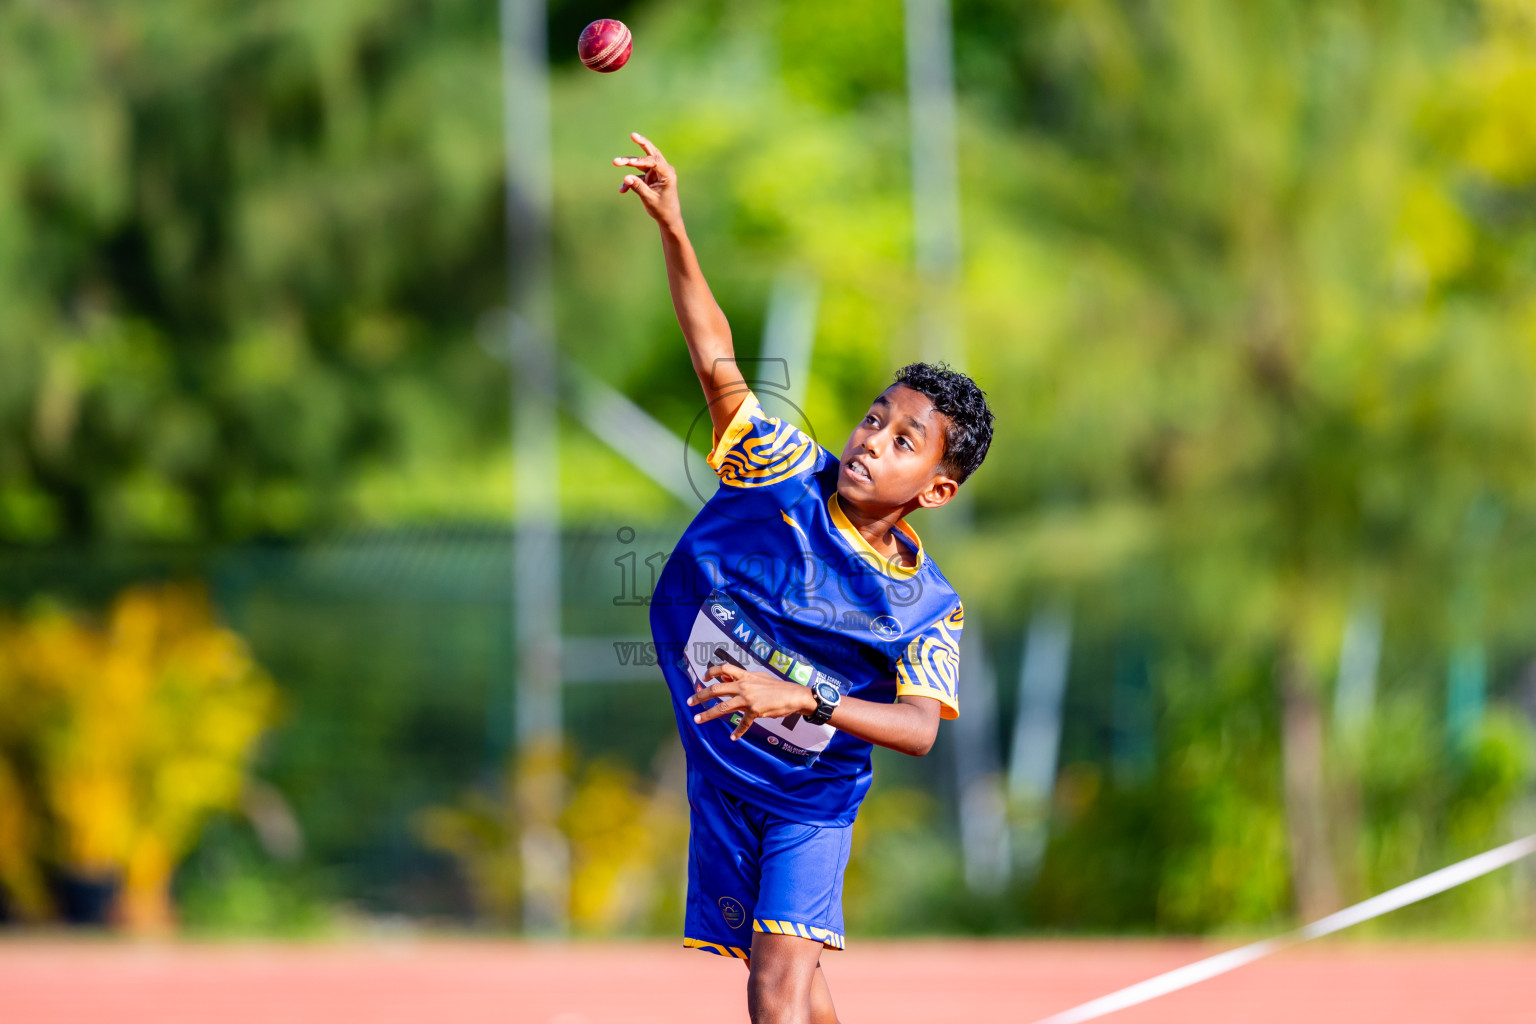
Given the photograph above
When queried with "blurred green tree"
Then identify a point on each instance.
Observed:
(242, 254)
(1288, 358)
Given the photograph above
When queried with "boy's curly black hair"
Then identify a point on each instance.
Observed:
(970, 419)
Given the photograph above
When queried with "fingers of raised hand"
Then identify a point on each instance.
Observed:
(646, 162)
(646, 144)
(637, 185)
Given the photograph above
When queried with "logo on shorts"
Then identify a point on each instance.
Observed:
(885, 627)
(735, 916)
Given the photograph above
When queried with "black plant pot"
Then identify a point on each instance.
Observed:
(85, 900)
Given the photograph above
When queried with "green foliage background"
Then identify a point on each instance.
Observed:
(1249, 285)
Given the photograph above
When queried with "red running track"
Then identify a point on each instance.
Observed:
(459, 982)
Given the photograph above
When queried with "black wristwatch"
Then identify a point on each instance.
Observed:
(827, 699)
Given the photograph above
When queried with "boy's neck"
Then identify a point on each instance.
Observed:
(878, 528)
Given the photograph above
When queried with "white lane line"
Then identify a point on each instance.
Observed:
(1221, 963)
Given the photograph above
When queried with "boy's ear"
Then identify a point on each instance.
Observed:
(940, 491)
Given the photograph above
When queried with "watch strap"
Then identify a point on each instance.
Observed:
(823, 710)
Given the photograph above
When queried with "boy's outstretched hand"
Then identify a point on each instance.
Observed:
(755, 694)
(656, 185)
(705, 328)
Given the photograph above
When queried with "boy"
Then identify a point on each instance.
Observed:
(798, 622)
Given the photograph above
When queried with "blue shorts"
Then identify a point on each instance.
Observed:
(753, 871)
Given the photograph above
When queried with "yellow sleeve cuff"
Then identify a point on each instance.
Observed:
(740, 424)
(949, 709)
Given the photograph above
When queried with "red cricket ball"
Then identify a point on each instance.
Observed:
(604, 45)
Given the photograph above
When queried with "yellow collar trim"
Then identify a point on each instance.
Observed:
(862, 547)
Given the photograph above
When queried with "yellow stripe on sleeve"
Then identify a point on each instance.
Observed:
(740, 424)
(931, 668)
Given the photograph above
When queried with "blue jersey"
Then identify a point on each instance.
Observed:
(771, 576)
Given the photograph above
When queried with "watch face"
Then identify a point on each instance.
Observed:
(827, 693)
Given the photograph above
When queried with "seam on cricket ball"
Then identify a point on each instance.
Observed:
(604, 57)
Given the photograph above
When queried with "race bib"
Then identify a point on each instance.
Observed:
(722, 633)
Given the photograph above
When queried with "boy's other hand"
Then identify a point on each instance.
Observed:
(656, 184)
(755, 694)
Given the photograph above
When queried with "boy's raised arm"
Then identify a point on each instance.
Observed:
(703, 323)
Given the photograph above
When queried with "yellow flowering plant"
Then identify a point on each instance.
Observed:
(127, 735)
(624, 835)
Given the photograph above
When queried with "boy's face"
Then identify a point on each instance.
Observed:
(892, 457)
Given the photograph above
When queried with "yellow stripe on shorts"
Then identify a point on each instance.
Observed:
(715, 948)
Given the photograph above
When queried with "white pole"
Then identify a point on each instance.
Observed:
(629, 430)
(536, 468)
(1359, 658)
(935, 175)
(1037, 731)
(936, 231)
(984, 839)
(789, 330)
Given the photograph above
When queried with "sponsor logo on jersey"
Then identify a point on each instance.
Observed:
(885, 627)
(721, 612)
(801, 673)
(773, 740)
(762, 648)
(735, 915)
(781, 662)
